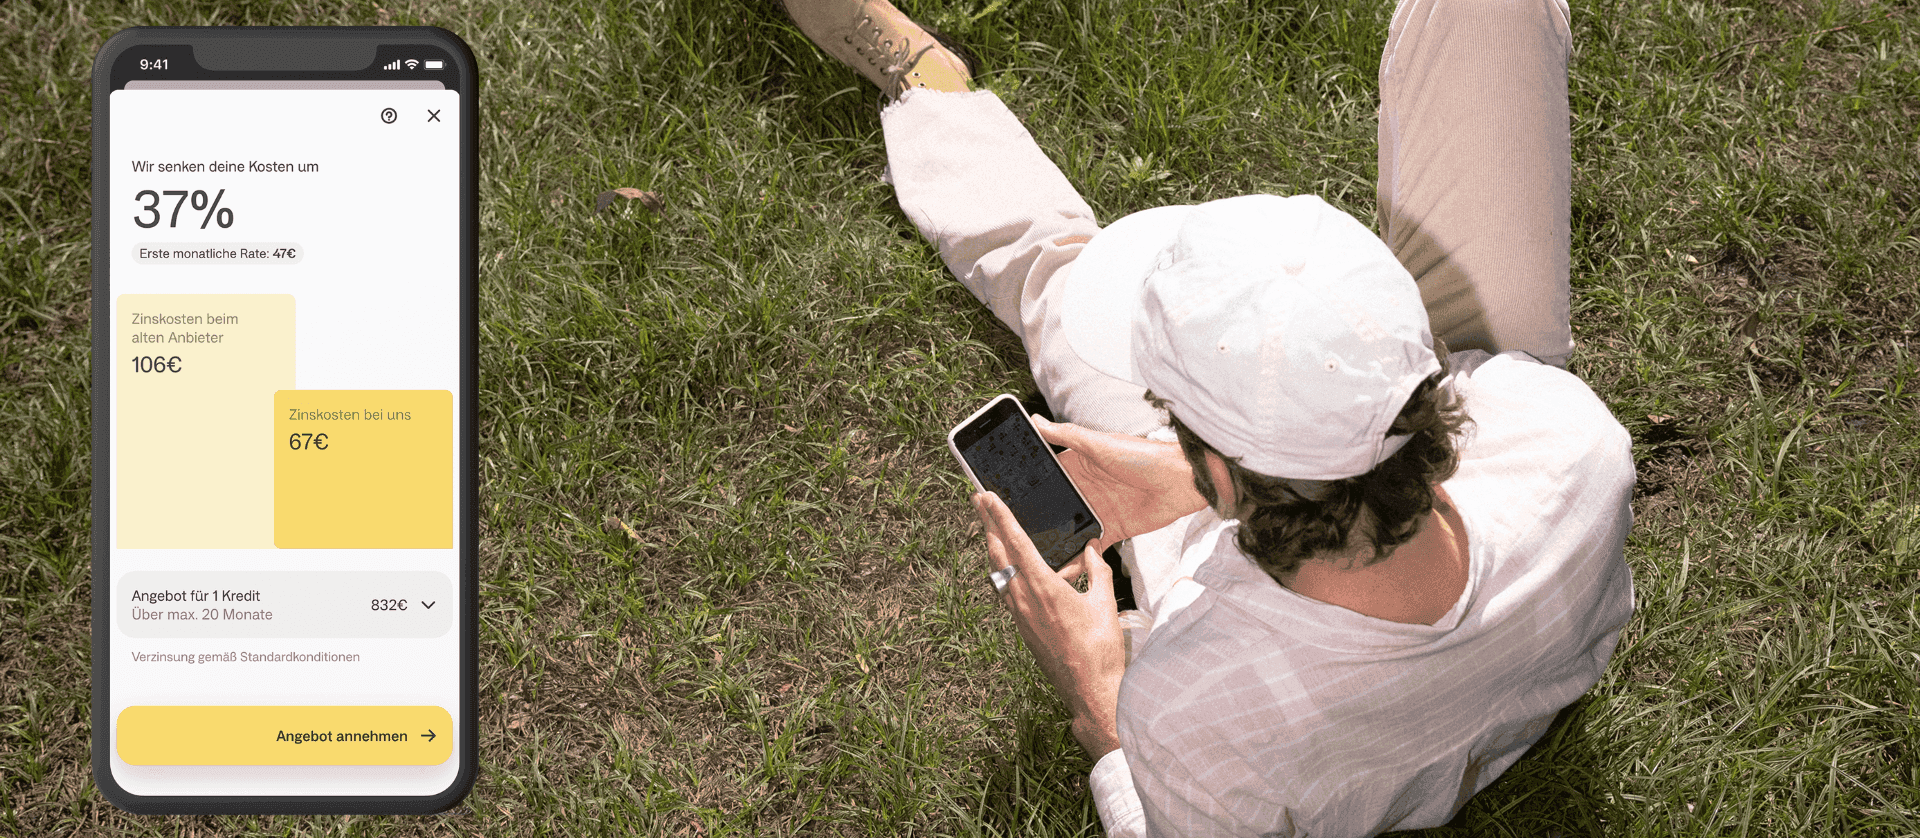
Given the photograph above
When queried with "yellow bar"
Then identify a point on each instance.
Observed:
(350, 735)
(359, 469)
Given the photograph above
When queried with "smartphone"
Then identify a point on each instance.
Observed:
(1002, 453)
(284, 226)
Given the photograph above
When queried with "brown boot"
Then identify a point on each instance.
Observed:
(881, 43)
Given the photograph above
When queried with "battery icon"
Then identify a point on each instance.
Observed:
(435, 64)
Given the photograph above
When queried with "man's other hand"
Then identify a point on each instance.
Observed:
(1134, 485)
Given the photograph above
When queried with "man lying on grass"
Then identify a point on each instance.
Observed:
(1375, 572)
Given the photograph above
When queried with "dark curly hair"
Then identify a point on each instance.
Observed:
(1281, 528)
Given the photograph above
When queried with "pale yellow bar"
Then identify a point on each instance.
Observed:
(320, 735)
(194, 462)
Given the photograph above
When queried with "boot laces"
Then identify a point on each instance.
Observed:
(892, 61)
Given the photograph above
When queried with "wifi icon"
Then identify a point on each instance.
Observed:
(413, 63)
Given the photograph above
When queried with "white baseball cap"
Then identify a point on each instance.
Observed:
(1281, 330)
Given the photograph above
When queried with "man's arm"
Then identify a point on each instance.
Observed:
(1136, 486)
(1075, 637)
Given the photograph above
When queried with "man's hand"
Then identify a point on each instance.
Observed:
(1135, 485)
(1075, 637)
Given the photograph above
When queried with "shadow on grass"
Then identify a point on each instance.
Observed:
(1038, 787)
(1559, 788)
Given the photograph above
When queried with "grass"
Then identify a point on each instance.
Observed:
(729, 581)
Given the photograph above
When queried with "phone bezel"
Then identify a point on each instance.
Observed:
(1098, 528)
(244, 63)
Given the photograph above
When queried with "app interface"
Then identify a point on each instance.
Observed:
(285, 275)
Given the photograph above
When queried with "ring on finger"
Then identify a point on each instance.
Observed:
(1001, 577)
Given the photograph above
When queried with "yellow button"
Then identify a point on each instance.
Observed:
(354, 735)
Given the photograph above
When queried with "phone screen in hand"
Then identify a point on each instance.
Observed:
(1007, 457)
(283, 378)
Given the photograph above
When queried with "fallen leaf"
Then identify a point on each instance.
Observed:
(650, 200)
(791, 429)
(623, 526)
(1659, 418)
(556, 197)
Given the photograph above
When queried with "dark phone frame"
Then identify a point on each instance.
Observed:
(1006, 408)
(292, 53)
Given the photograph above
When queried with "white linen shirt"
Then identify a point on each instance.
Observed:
(1254, 710)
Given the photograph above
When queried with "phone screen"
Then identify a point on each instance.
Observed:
(283, 379)
(1008, 457)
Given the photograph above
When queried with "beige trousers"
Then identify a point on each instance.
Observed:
(1474, 197)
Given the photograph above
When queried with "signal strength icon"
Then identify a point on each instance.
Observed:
(394, 65)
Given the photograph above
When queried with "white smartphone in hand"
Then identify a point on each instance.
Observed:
(1001, 452)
